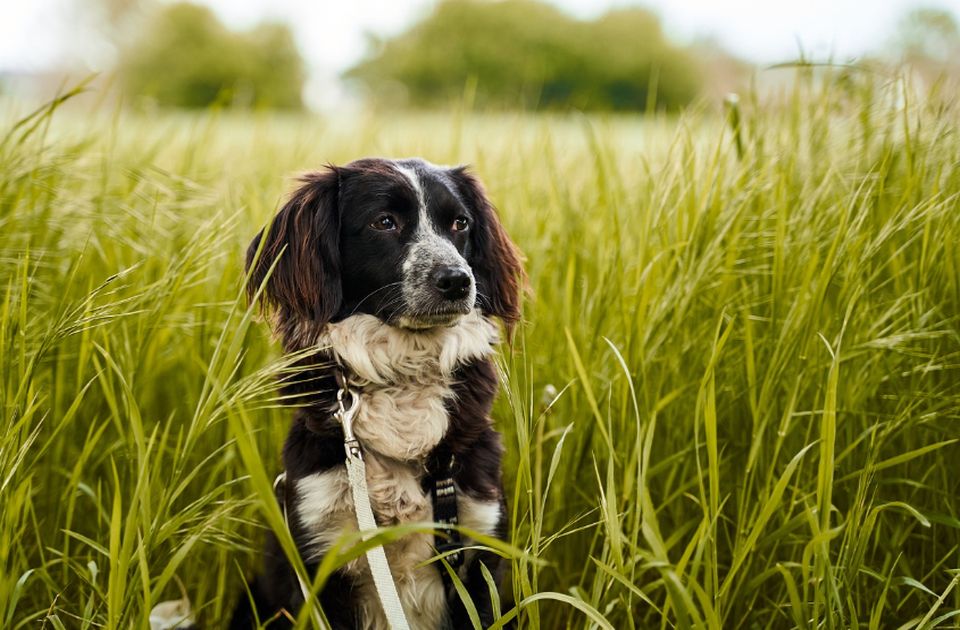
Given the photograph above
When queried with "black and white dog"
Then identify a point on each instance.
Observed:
(393, 271)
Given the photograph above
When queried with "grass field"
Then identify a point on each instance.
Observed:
(753, 332)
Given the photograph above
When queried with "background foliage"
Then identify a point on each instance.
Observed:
(524, 53)
(753, 329)
(184, 57)
(514, 54)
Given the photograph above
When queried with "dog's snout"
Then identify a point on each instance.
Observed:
(453, 283)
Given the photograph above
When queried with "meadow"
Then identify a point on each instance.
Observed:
(734, 400)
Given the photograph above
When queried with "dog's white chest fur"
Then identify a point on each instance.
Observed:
(405, 378)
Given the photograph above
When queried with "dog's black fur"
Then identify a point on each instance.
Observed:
(325, 257)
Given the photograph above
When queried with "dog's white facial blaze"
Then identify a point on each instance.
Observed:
(428, 251)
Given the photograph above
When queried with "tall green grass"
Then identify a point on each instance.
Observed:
(734, 401)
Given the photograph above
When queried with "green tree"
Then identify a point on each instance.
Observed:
(928, 34)
(526, 53)
(186, 58)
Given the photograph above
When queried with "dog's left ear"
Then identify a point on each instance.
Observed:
(294, 263)
(496, 261)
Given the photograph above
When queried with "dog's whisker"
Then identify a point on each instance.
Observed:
(395, 301)
(484, 300)
(374, 292)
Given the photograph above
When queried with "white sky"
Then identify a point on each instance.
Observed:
(38, 34)
(760, 30)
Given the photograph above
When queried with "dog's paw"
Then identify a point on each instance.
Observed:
(172, 615)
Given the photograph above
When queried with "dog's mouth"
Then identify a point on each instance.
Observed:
(427, 321)
(436, 296)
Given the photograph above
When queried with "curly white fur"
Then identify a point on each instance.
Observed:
(404, 378)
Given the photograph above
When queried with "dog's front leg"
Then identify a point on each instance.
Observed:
(336, 600)
(476, 584)
(478, 589)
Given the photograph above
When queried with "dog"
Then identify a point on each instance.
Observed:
(395, 272)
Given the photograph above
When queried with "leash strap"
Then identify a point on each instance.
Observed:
(357, 474)
(444, 495)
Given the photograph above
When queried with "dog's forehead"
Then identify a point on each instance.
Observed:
(427, 179)
(430, 186)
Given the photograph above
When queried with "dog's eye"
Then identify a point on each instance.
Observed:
(384, 223)
(460, 224)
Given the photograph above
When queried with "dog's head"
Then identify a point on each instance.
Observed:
(414, 244)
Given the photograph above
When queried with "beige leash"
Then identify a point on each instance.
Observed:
(357, 475)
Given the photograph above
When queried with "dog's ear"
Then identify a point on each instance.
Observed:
(296, 259)
(495, 260)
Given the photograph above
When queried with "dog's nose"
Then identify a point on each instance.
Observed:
(453, 283)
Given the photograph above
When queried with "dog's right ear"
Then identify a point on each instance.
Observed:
(296, 260)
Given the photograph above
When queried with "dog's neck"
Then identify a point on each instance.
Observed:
(377, 354)
(405, 377)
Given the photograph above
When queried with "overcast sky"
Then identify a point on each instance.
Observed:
(38, 34)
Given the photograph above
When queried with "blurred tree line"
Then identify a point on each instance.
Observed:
(183, 56)
(516, 53)
(505, 54)
(928, 39)
(526, 53)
